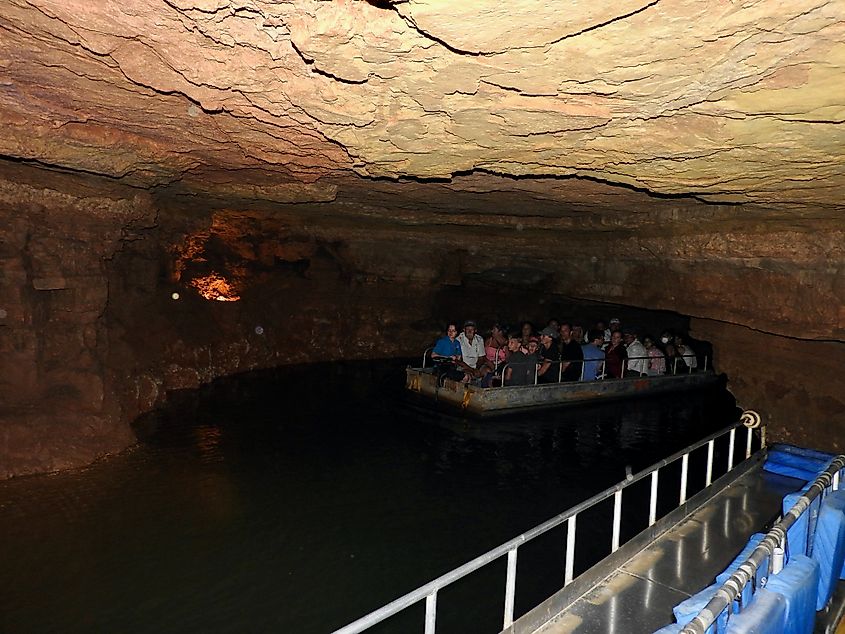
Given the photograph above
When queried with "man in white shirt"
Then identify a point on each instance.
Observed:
(637, 355)
(472, 351)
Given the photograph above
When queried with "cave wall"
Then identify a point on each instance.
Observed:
(92, 338)
(57, 408)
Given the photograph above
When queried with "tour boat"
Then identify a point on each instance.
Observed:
(484, 401)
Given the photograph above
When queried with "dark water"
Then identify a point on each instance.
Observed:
(299, 500)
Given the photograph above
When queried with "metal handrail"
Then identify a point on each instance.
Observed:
(732, 589)
(583, 362)
(425, 354)
(429, 591)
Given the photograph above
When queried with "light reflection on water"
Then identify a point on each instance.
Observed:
(298, 500)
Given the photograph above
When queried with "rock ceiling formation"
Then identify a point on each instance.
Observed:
(725, 100)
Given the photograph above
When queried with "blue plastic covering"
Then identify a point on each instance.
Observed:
(801, 451)
(798, 583)
(829, 544)
(753, 542)
(765, 615)
(796, 536)
(672, 628)
(789, 461)
(689, 608)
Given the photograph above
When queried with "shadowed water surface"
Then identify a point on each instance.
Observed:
(298, 500)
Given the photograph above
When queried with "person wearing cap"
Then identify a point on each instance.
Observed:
(549, 356)
(474, 360)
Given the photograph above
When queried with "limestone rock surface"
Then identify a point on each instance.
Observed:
(728, 101)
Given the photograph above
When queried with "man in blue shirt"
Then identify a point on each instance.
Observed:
(446, 355)
(447, 348)
(593, 356)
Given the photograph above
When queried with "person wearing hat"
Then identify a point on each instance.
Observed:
(473, 358)
(549, 356)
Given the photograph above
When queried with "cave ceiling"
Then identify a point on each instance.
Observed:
(490, 108)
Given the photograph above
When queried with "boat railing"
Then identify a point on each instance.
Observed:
(429, 591)
(583, 362)
(770, 551)
(601, 376)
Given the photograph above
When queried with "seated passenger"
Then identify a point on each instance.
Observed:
(600, 325)
(656, 360)
(615, 356)
(637, 355)
(674, 361)
(571, 354)
(593, 355)
(578, 334)
(447, 354)
(549, 357)
(686, 352)
(527, 331)
(473, 361)
(521, 366)
(496, 347)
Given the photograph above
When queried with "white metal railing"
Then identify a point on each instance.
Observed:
(601, 364)
(430, 590)
(774, 543)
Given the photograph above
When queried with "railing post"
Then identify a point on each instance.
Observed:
(709, 477)
(617, 520)
(748, 437)
(731, 443)
(560, 371)
(705, 363)
(652, 505)
(684, 469)
(674, 366)
(570, 550)
(583, 365)
(535, 374)
(430, 612)
(510, 589)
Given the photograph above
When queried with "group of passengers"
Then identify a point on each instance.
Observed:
(560, 352)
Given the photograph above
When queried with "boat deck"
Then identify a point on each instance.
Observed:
(638, 595)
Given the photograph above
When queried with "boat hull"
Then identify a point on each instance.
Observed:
(501, 400)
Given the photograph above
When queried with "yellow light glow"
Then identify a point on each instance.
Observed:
(215, 287)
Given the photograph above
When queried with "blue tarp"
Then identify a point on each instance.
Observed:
(794, 462)
(798, 583)
(689, 608)
(829, 544)
(796, 536)
(765, 615)
(753, 542)
(801, 451)
(672, 628)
